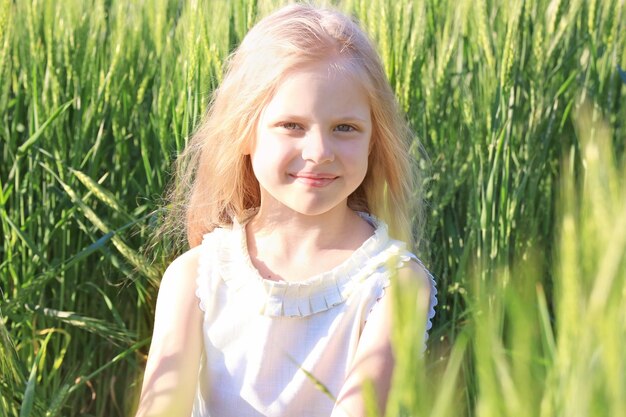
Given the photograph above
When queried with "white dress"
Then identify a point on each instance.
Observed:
(267, 343)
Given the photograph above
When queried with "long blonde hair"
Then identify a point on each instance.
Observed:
(214, 181)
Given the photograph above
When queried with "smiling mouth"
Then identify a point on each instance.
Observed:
(314, 180)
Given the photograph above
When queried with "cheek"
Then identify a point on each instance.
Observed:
(365, 157)
(358, 154)
(267, 158)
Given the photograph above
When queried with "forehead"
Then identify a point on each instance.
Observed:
(323, 86)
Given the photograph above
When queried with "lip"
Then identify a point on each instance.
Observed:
(311, 179)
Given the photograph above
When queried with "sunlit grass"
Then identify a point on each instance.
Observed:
(519, 108)
(516, 357)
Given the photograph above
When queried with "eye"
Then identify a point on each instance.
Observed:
(345, 128)
(290, 126)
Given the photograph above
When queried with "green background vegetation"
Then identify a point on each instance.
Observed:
(519, 106)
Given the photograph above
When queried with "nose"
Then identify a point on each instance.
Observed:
(317, 147)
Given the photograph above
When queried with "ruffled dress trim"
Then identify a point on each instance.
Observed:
(228, 250)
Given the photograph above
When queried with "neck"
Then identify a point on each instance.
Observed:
(292, 229)
(283, 244)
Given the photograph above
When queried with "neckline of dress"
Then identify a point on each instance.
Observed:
(346, 267)
(315, 294)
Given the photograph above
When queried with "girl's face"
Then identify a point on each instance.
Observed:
(312, 141)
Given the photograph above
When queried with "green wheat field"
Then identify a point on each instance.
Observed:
(519, 109)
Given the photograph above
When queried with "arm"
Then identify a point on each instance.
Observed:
(374, 357)
(170, 379)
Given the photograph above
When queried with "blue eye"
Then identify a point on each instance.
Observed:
(345, 128)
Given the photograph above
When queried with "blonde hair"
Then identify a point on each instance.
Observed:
(214, 181)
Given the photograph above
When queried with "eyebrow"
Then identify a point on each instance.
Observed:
(351, 118)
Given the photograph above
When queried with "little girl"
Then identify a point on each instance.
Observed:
(292, 190)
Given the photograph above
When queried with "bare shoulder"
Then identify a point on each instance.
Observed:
(177, 292)
(415, 274)
(183, 270)
(173, 361)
